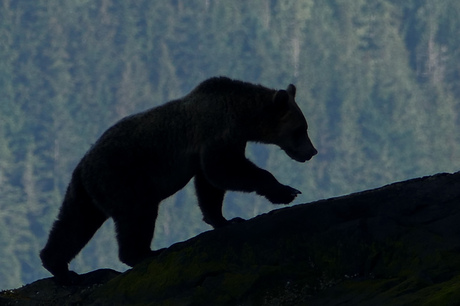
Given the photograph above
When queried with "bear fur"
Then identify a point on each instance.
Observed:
(147, 157)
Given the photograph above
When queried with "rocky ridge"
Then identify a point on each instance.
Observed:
(395, 245)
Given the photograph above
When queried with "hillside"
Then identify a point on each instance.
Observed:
(395, 245)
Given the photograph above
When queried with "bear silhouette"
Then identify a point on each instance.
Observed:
(147, 157)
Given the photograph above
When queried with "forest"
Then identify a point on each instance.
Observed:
(378, 81)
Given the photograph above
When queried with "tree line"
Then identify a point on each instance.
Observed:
(376, 79)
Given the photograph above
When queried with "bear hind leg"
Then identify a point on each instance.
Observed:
(76, 224)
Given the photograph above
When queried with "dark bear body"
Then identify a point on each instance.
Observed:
(147, 157)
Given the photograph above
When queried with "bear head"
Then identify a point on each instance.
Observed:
(288, 126)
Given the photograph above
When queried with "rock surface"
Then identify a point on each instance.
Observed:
(395, 245)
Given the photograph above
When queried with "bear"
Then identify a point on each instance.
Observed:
(147, 157)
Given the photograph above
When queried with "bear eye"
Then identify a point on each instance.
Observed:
(300, 131)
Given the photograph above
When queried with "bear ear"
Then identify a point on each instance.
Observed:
(291, 90)
(281, 101)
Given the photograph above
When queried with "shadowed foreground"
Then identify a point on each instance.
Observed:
(396, 245)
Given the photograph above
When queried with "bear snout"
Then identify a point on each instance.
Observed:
(301, 156)
(313, 153)
(309, 156)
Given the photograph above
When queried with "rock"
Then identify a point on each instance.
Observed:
(395, 245)
(47, 292)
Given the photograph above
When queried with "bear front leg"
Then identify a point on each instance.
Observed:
(210, 200)
(230, 170)
(135, 233)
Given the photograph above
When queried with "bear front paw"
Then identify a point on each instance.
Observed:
(67, 278)
(236, 220)
(282, 195)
